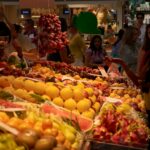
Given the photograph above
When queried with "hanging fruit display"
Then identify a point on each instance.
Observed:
(51, 39)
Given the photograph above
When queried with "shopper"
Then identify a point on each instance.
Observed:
(117, 44)
(142, 80)
(29, 29)
(77, 46)
(95, 54)
(130, 47)
(20, 41)
(141, 26)
(144, 50)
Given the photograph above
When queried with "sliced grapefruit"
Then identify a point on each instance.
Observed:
(84, 123)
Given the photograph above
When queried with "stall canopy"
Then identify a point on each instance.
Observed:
(36, 3)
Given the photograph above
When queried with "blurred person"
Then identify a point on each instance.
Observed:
(142, 79)
(130, 47)
(77, 46)
(141, 26)
(95, 54)
(29, 29)
(22, 42)
(117, 44)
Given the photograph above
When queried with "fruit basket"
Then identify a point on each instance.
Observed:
(95, 145)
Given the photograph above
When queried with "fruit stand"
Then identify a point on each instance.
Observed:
(56, 106)
(70, 103)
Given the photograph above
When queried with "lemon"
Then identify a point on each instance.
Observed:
(9, 89)
(29, 85)
(92, 111)
(4, 82)
(58, 101)
(52, 91)
(11, 79)
(18, 82)
(96, 106)
(76, 112)
(70, 104)
(99, 79)
(66, 93)
(77, 77)
(90, 91)
(70, 136)
(88, 114)
(21, 93)
(80, 85)
(93, 98)
(39, 88)
(78, 94)
(83, 105)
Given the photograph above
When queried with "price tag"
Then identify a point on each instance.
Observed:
(103, 72)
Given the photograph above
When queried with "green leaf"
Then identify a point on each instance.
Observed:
(6, 95)
(38, 98)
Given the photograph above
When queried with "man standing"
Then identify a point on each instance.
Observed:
(141, 26)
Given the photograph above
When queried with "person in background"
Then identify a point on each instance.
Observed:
(77, 46)
(141, 26)
(29, 29)
(95, 54)
(142, 79)
(22, 42)
(129, 47)
(109, 31)
(117, 44)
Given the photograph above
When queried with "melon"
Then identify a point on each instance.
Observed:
(85, 124)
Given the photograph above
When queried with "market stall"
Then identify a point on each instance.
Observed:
(47, 105)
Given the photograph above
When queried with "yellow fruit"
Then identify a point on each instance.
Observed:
(4, 117)
(18, 83)
(96, 106)
(92, 111)
(9, 89)
(78, 94)
(112, 95)
(83, 105)
(39, 88)
(46, 97)
(58, 101)
(93, 98)
(99, 79)
(88, 114)
(29, 85)
(90, 91)
(52, 91)
(66, 93)
(49, 83)
(139, 96)
(11, 79)
(75, 145)
(126, 96)
(77, 77)
(76, 112)
(4, 82)
(80, 85)
(21, 93)
(70, 104)
(70, 136)
(123, 108)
